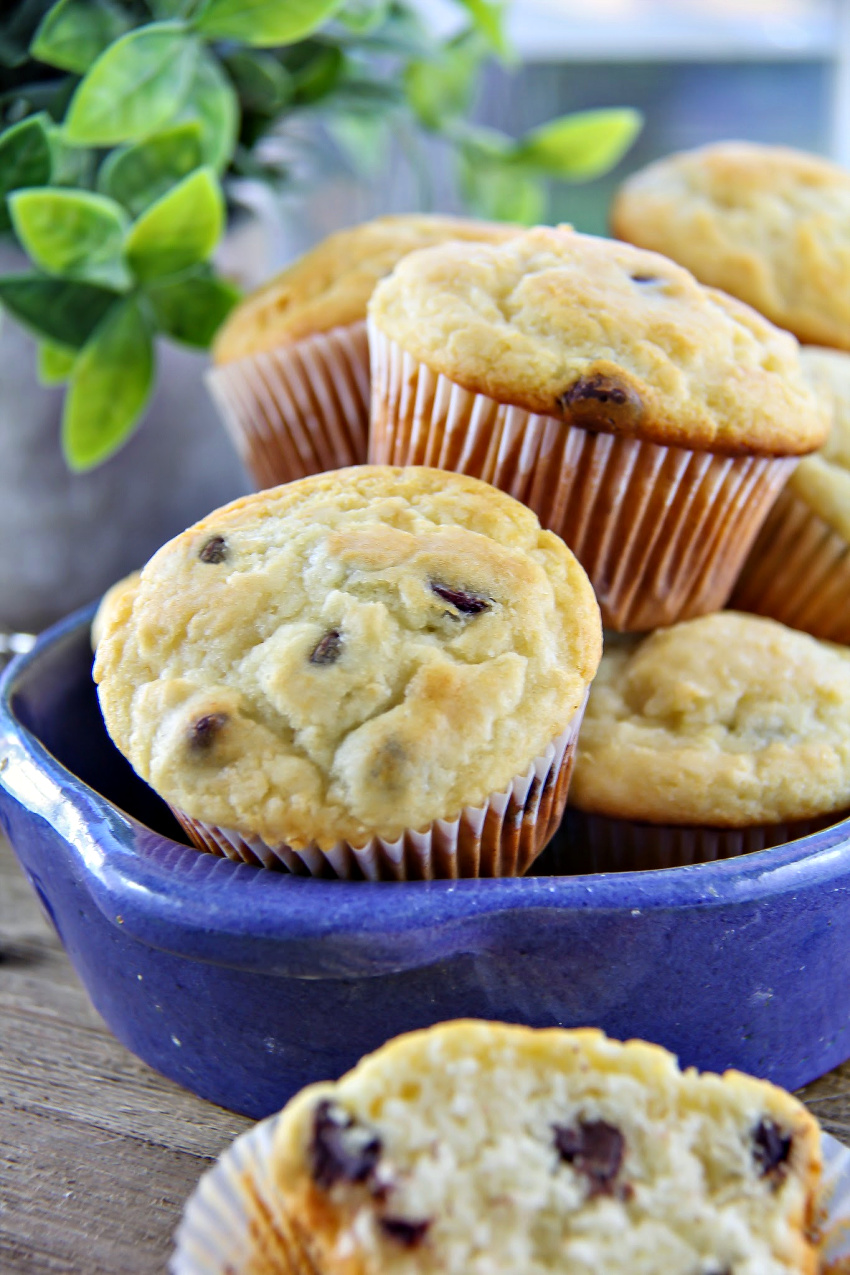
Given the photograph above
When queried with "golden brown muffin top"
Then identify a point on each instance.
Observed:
(350, 655)
(729, 720)
(331, 284)
(767, 224)
(604, 336)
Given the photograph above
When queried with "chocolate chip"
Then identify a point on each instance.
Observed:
(204, 730)
(215, 550)
(328, 649)
(771, 1149)
(466, 603)
(601, 401)
(410, 1234)
(645, 278)
(595, 1149)
(342, 1149)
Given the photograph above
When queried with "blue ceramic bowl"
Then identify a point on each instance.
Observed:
(244, 984)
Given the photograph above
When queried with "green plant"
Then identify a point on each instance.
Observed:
(124, 125)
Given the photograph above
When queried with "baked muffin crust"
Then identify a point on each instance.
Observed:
(604, 336)
(823, 481)
(349, 655)
(764, 223)
(729, 720)
(331, 284)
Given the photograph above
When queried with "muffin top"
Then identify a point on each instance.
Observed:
(349, 655)
(729, 720)
(767, 224)
(332, 283)
(110, 600)
(823, 481)
(604, 336)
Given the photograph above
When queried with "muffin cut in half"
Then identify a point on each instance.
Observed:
(767, 224)
(715, 737)
(374, 672)
(292, 361)
(477, 1148)
(799, 568)
(648, 420)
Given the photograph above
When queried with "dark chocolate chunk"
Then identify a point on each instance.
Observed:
(410, 1234)
(203, 732)
(215, 550)
(645, 278)
(601, 401)
(593, 1148)
(771, 1148)
(328, 649)
(466, 603)
(342, 1149)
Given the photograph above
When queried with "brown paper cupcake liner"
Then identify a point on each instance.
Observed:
(798, 572)
(599, 843)
(661, 531)
(501, 838)
(299, 409)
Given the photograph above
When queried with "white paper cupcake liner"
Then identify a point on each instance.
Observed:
(798, 572)
(598, 843)
(299, 409)
(501, 838)
(233, 1225)
(661, 531)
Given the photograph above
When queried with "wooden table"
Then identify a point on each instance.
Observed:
(97, 1152)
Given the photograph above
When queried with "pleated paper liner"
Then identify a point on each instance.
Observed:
(234, 1224)
(598, 843)
(798, 572)
(661, 531)
(502, 838)
(299, 409)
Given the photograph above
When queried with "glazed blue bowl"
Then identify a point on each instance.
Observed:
(245, 984)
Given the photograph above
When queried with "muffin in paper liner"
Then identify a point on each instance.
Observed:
(798, 572)
(499, 839)
(300, 408)
(662, 532)
(600, 843)
(233, 1224)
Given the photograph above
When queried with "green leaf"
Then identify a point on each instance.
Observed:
(64, 311)
(164, 9)
(320, 75)
(24, 159)
(495, 190)
(135, 86)
(212, 101)
(264, 85)
(193, 308)
(263, 23)
(138, 175)
(55, 363)
(489, 20)
(74, 32)
(441, 88)
(109, 388)
(364, 140)
(580, 146)
(364, 16)
(72, 232)
(180, 230)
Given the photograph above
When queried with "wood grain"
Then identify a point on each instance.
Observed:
(97, 1152)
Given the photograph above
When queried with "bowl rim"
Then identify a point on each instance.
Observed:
(171, 895)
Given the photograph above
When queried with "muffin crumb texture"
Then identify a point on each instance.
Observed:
(476, 1148)
(823, 481)
(604, 336)
(351, 655)
(727, 720)
(767, 224)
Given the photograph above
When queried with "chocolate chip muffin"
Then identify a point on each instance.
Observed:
(722, 735)
(110, 600)
(478, 1146)
(649, 421)
(764, 223)
(292, 361)
(376, 672)
(799, 568)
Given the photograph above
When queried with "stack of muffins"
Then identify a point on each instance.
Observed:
(381, 671)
